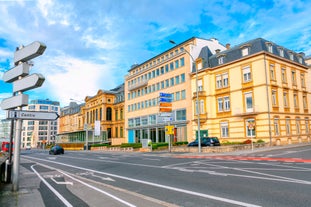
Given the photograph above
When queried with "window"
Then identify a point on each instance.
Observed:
(304, 101)
(220, 104)
(200, 85)
(121, 131)
(177, 96)
(177, 64)
(172, 82)
(274, 98)
(44, 108)
(224, 129)
(302, 79)
(223, 104)
(295, 100)
(137, 121)
(287, 125)
(182, 78)
(270, 48)
(201, 105)
(218, 81)
(181, 115)
(285, 99)
(183, 94)
(162, 84)
(182, 62)
(297, 125)
(226, 103)
(291, 56)
(225, 80)
(152, 119)
(276, 127)
(250, 128)
(166, 68)
(284, 79)
(108, 114)
(249, 101)
(307, 126)
(171, 66)
(131, 122)
(162, 70)
(220, 60)
(281, 52)
(245, 51)
(300, 60)
(272, 72)
(167, 83)
(247, 74)
(294, 78)
(177, 81)
(144, 121)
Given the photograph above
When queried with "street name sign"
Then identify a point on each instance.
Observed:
(32, 115)
(29, 52)
(14, 101)
(29, 82)
(11, 75)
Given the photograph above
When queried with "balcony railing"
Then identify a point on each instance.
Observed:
(200, 93)
(138, 85)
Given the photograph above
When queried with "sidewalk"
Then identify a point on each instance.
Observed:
(28, 193)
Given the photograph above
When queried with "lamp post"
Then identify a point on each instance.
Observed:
(86, 127)
(197, 97)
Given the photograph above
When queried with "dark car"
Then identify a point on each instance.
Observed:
(56, 150)
(205, 141)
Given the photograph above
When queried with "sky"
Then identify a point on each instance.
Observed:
(92, 44)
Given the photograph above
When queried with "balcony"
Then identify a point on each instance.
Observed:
(203, 118)
(239, 111)
(138, 85)
(201, 94)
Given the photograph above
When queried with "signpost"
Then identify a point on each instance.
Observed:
(22, 82)
(32, 115)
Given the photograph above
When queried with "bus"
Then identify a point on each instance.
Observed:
(6, 146)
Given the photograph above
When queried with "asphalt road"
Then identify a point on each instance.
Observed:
(270, 178)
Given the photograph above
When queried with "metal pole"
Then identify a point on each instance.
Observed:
(17, 143)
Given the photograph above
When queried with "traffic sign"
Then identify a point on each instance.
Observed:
(169, 129)
(32, 115)
(168, 95)
(165, 114)
(29, 52)
(164, 104)
(165, 109)
(167, 100)
(14, 101)
(11, 75)
(29, 82)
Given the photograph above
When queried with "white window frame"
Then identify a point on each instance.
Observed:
(249, 101)
(247, 74)
(224, 127)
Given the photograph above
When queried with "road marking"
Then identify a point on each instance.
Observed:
(61, 182)
(51, 188)
(226, 200)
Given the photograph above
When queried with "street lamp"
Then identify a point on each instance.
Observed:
(86, 127)
(197, 98)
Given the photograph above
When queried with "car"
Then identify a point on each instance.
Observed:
(56, 150)
(28, 147)
(205, 141)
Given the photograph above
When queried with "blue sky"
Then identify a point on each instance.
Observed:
(92, 44)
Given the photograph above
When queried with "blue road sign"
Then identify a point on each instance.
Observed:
(167, 100)
(167, 95)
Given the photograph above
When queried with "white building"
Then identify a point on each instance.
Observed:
(37, 134)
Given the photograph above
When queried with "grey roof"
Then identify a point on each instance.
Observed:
(255, 46)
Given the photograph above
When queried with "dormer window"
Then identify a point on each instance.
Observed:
(300, 60)
(281, 52)
(245, 51)
(269, 47)
(220, 60)
(291, 56)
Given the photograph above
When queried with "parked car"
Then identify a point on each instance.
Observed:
(56, 150)
(28, 147)
(205, 141)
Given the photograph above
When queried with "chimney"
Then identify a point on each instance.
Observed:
(217, 51)
(228, 46)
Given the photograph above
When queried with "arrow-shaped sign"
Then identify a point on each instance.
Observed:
(14, 101)
(29, 52)
(32, 115)
(29, 82)
(19, 71)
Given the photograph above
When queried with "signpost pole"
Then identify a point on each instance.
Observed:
(16, 157)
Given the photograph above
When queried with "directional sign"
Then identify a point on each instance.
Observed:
(164, 104)
(32, 115)
(14, 101)
(167, 100)
(29, 52)
(168, 95)
(19, 71)
(165, 109)
(29, 82)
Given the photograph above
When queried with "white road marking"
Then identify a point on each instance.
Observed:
(154, 184)
(61, 182)
(52, 189)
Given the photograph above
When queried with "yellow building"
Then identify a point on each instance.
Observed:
(257, 90)
(167, 73)
(105, 108)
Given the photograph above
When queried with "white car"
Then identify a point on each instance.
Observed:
(28, 147)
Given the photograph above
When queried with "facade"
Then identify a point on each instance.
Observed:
(105, 108)
(168, 72)
(5, 128)
(39, 133)
(257, 90)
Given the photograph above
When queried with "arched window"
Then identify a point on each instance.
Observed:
(109, 114)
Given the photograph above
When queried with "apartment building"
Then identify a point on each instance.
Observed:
(168, 72)
(39, 133)
(256, 90)
(78, 122)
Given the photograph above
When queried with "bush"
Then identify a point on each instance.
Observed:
(134, 145)
(100, 145)
(260, 141)
(179, 143)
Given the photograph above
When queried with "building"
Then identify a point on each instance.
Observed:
(168, 72)
(39, 133)
(5, 128)
(256, 90)
(105, 108)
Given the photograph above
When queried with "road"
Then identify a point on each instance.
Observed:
(272, 178)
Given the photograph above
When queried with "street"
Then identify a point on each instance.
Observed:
(85, 178)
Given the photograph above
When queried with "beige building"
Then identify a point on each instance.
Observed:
(257, 90)
(169, 73)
